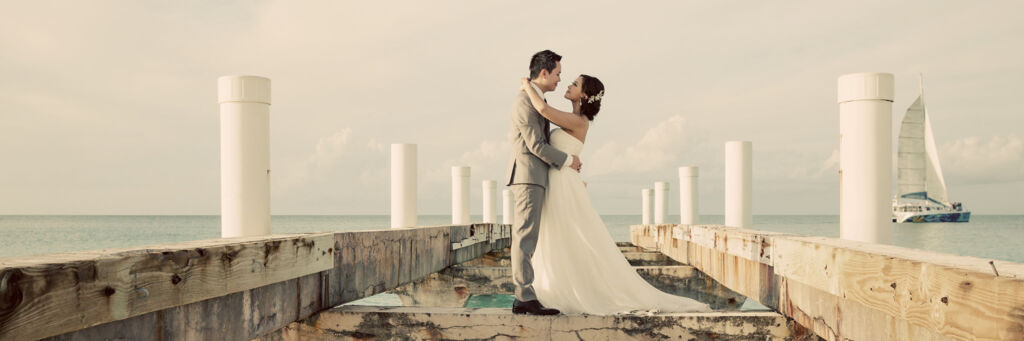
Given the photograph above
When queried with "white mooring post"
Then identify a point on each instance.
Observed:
(506, 207)
(689, 212)
(490, 201)
(660, 202)
(460, 195)
(403, 185)
(738, 184)
(865, 156)
(244, 155)
(645, 194)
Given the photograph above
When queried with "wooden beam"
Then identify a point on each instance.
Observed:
(350, 265)
(48, 295)
(917, 291)
(751, 245)
(851, 290)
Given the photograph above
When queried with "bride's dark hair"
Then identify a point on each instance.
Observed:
(591, 87)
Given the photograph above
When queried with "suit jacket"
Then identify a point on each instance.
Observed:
(531, 153)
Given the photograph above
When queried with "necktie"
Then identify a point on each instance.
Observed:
(547, 130)
(547, 126)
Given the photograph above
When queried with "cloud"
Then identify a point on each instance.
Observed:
(376, 147)
(831, 164)
(977, 160)
(660, 147)
(325, 156)
(488, 161)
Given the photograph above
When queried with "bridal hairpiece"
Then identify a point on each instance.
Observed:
(596, 98)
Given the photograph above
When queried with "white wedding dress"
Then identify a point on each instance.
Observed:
(577, 266)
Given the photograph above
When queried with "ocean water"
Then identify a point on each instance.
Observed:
(986, 236)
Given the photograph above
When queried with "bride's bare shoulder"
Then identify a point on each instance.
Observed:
(578, 133)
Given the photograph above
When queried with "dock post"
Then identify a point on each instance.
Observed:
(738, 184)
(660, 202)
(646, 195)
(506, 207)
(865, 156)
(244, 155)
(688, 204)
(490, 201)
(403, 185)
(460, 195)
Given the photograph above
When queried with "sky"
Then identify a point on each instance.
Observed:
(110, 107)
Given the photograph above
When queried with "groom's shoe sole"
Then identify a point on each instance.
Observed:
(538, 312)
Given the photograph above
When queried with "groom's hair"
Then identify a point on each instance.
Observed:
(543, 60)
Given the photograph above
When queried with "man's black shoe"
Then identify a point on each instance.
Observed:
(532, 307)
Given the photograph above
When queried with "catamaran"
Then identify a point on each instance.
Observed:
(922, 193)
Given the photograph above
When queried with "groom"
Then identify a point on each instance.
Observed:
(532, 155)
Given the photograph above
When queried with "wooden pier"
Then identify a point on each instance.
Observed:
(846, 290)
(224, 289)
(294, 287)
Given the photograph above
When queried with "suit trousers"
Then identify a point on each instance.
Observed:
(529, 199)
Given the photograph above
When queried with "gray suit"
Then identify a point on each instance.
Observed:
(528, 177)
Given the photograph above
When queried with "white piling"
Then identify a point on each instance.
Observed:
(460, 195)
(689, 212)
(646, 195)
(506, 207)
(865, 156)
(660, 202)
(738, 184)
(490, 201)
(244, 155)
(403, 185)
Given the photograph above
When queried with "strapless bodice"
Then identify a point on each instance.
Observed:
(561, 140)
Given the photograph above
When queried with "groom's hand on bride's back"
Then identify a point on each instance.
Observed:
(576, 164)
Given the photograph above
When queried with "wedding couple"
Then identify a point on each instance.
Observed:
(563, 258)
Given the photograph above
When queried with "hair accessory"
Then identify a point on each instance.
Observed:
(595, 98)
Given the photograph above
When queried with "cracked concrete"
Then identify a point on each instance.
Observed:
(453, 286)
(433, 310)
(423, 323)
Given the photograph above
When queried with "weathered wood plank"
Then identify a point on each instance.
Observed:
(850, 290)
(744, 270)
(358, 264)
(371, 262)
(747, 244)
(237, 316)
(955, 295)
(224, 317)
(643, 236)
(429, 252)
(270, 307)
(749, 278)
(54, 294)
(310, 292)
(137, 328)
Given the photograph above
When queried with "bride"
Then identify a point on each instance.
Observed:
(578, 268)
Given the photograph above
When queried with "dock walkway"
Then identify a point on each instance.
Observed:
(294, 287)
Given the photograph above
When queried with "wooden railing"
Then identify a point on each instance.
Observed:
(225, 289)
(851, 290)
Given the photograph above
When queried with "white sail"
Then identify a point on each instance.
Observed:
(919, 174)
(911, 158)
(934, 183)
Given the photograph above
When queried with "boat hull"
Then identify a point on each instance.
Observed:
(945, 217)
